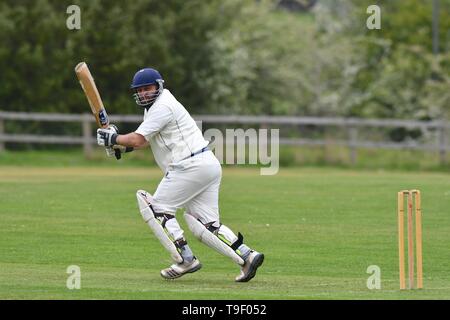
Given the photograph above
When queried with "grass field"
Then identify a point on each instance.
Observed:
(320, 229)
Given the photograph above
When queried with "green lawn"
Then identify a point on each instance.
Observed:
(319, 228)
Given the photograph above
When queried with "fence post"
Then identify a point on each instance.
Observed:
(2, 131)
(443, 143)
(353, 138)
(87, 129)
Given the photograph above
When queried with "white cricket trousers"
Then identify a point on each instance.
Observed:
(192, 184)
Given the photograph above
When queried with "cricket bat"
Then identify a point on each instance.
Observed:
(93, 96)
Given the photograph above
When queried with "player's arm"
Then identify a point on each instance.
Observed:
(158, 118)
(109, 137)
(133, 139)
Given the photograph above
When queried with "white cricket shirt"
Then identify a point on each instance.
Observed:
(171, 132)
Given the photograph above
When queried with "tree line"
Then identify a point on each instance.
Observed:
(230, 57)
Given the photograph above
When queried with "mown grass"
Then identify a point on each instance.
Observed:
(319, 228)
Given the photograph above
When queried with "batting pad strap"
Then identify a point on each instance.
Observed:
(238, 242)
(143, 199)
(210, 226)
(210, 239)
(165, 217)
(180, 243)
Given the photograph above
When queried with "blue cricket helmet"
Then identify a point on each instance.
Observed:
(146, 77)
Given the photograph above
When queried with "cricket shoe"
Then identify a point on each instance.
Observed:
(252, 263)
(179, 269)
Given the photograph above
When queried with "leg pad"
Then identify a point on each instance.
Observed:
(145, 207)
(207, 237)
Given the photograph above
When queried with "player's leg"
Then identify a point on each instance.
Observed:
(221, 238)
(181, 183)
(169, 233)
(202, 218)
(252, 259)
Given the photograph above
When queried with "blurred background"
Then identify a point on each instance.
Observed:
(340, 93)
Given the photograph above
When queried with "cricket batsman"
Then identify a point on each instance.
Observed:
(192, 176)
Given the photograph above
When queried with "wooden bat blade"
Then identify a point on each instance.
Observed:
(93, 96)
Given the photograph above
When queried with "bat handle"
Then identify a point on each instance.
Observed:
(118, 154)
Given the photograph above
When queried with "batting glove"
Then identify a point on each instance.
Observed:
(110, 151)
(117, 151)
(107, 137)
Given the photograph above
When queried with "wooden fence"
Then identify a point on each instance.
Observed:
(353, 127)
